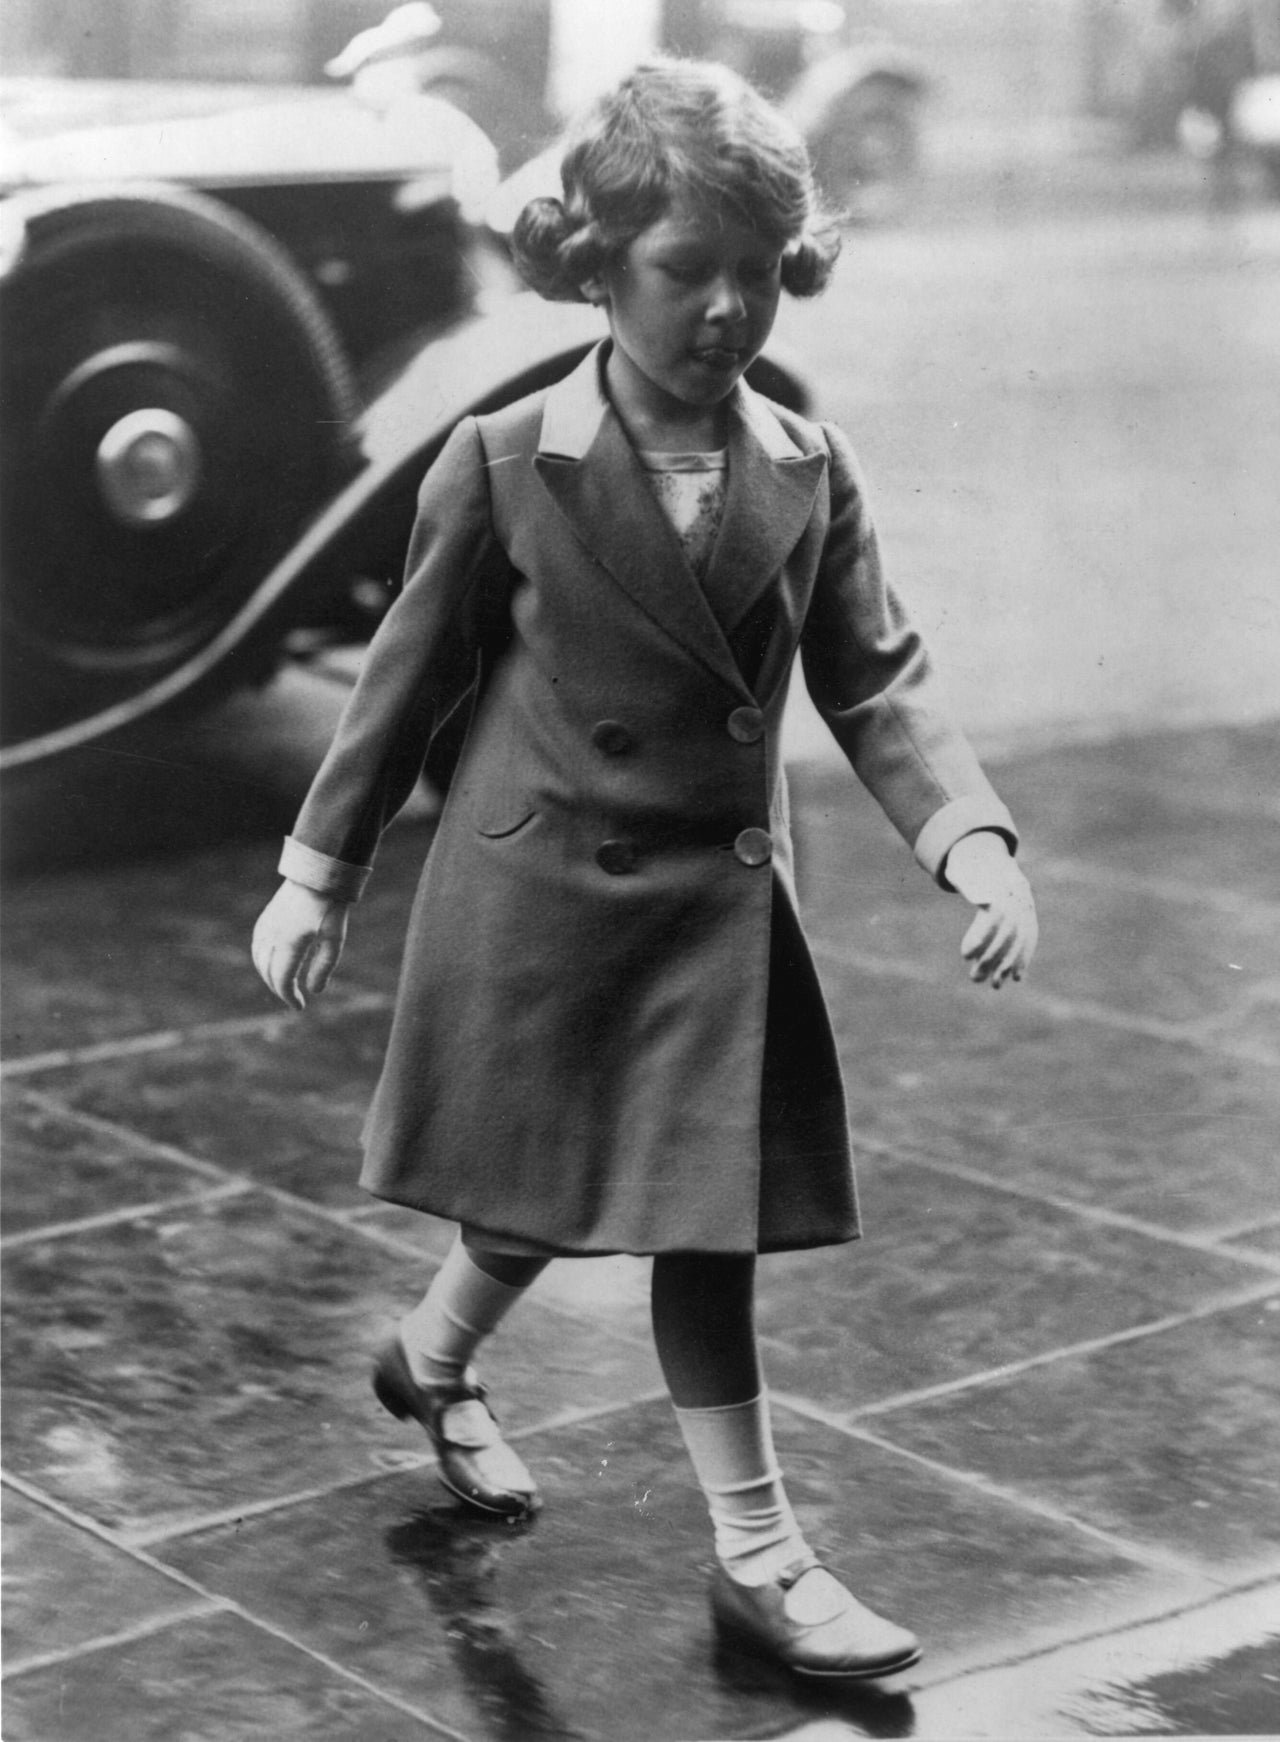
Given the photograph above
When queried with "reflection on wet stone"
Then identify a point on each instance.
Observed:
(458, 1570)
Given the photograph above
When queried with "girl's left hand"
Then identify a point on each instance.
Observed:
(1000, 943)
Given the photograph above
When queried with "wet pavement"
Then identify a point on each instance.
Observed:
(1034, 1414)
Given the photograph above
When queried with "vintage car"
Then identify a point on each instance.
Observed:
(237, 323)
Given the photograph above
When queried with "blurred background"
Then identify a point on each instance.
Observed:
(256, 270)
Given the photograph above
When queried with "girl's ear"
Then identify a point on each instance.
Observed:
(594, 290)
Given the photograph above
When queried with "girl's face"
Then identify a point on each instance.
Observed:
(691, 302)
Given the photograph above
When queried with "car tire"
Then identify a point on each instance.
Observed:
(176, 405)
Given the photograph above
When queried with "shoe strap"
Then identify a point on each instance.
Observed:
(469, 1425)
(795, 1572)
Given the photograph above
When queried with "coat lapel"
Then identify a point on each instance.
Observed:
(772, 486)
(592, 473)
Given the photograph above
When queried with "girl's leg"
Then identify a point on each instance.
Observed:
(470, 1295)
(423, 1372)
(704, 1329)
(770, 1589)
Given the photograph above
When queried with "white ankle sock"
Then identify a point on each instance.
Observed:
(462, 1306)
(731, 1447)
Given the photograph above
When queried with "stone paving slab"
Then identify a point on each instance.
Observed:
(217, 1680)
(1226, 769)
(1184, 962)
(119, 951)
(1065, 1191)
(1212, 1669)
(536, 1630)
(956, 1279)
(1165, 804)
(998, 1084)
(1167, 1441)
(1264, 1240)
(282, 1105)
(1117, 864)
(1236, 1696)
(58, 1169)
(123, 950)
(67, 1587)
(213, 1357)
(1157, 803)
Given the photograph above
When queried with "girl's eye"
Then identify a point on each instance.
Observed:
(684, 272)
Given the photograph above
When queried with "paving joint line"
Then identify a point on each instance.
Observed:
(170, 1039)
(1209, 1244)
(105, 1641)
(235, 1183)
(1197, 1035)
(1115, 1629)
(406, 1463)
(53, 1106)
(195, 1525)
(390, 1242)
(228, 1605)
(1157, 1560)
(1029, 1363)
(901, 1151)
(114, 1218)
(1242, 1230)
(1171, 889)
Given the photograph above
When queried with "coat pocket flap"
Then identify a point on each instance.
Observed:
(505, 820)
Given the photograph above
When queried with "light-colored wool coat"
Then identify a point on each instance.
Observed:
(605, 934)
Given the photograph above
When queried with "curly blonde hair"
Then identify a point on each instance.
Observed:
(675, 128)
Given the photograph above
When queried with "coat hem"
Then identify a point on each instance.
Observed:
(528, 1246)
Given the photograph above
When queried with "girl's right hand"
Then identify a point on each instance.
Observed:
(298, 941)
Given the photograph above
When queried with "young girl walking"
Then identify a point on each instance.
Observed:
(609, 1035)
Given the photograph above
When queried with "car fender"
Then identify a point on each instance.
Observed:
(813, 101)
(307, 136)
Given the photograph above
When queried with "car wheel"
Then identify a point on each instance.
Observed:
(175, 405)
(869, 151)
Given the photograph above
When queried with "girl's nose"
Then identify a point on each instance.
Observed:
(727, 302)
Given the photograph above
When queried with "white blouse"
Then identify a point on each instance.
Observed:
(691, 489)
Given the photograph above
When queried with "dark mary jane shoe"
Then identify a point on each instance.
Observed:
(473, 1460)
(823, 1632)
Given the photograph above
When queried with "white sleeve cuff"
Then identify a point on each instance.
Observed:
(333, 877)
(959, 817)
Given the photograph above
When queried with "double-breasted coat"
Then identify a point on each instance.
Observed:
(609, 1035)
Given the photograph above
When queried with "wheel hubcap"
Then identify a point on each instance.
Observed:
(148, 466)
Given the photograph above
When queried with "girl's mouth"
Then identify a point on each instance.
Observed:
(720, 357)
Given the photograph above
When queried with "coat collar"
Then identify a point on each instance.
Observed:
(588, 465)
(575, 407)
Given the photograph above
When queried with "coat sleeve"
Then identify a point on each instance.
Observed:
(871, 679)
(421, 662)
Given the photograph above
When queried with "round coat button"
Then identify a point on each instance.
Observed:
(618, 858)
(612, 738)
(753, 847)
(746, 725)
